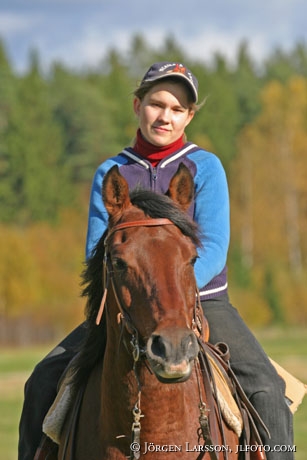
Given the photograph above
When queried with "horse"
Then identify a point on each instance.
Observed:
(143, 388)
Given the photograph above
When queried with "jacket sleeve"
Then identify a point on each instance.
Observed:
(97, 216)
(212, 215)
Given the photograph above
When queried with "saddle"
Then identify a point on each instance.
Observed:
(232, 403)
(222, 389)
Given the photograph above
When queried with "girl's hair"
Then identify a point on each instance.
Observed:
(144, 88)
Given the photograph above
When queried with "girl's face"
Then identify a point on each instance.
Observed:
(163, 113)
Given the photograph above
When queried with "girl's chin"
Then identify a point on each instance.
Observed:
(160, 139)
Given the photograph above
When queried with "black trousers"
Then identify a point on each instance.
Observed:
(253, 369)
(259, 379)
(41, 389)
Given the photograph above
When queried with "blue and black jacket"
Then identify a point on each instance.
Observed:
(210, 208)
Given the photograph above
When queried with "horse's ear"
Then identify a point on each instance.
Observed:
(181, 187)
(115, 192)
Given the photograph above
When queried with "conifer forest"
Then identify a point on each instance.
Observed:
(58, 125)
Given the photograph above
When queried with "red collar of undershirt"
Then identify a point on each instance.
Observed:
(153, 153)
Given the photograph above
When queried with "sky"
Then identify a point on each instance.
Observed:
(79, 33)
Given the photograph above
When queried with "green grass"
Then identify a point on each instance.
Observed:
(15, 367)
(286, 346)
(10, 412)
(20, 360)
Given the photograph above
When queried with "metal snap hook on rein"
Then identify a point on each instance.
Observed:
(135, 347)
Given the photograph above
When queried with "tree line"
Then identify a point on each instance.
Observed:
(57, 126)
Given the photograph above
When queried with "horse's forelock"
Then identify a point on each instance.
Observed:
(161, 206)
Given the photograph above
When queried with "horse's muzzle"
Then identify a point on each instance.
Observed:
(171, 354)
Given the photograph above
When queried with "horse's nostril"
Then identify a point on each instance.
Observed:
(188, 342)
(191, 347)
(158, 346)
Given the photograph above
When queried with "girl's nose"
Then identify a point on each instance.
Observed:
(165, 115)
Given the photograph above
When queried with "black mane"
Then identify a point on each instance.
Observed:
(91, 352)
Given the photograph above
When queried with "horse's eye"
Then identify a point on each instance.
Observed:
(119, 264)
(193, 260)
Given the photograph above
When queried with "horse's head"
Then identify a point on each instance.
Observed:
(151, 249)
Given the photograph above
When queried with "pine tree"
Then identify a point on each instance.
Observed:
(38, 179)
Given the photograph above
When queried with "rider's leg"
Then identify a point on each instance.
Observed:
(260, 381)
(40, 391)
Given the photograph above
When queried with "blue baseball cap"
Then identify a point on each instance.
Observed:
(161, 70)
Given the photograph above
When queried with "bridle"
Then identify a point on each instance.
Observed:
(107, 275)
(124, 317)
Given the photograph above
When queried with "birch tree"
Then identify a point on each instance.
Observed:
(271, 177)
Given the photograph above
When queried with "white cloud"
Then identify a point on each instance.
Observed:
(206, 44)
(87, 48)
(17, 23)
(91, 45)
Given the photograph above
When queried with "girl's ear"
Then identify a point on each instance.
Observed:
(136, 105)
(190, 117)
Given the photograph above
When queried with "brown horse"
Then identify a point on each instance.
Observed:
(145, 395)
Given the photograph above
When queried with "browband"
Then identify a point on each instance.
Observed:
(138, 223)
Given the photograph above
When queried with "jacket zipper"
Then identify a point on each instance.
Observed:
(154, 174)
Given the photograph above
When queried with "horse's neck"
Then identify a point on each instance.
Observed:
(172, 404)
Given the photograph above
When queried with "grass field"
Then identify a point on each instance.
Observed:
(287, 346)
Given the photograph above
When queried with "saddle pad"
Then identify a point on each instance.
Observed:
(295, 390)
(55, 417)
(229, 408)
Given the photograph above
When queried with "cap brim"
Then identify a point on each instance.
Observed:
(179, 76)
